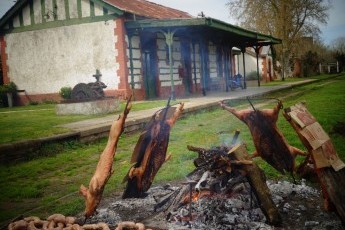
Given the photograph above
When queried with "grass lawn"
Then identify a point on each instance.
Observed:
(290, 80)
(35, 121)
(49, 184)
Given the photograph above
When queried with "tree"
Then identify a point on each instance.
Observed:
(338, 50)
(290, 20)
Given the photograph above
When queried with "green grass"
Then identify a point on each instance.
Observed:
(35, 121)
(286, 80)
(290, 80)
(48, 185)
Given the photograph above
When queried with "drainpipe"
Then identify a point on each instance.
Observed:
(169, 39)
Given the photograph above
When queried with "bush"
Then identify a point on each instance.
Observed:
(66, 92)
(8, 88)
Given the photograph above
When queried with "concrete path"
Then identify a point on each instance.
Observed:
(192, 104)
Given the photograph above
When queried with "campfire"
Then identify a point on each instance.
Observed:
(226, 190)
(222, 174)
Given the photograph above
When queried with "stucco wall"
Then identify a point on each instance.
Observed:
(45, 60)
(250, 62)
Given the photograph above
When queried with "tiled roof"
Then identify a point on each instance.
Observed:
(147, 9)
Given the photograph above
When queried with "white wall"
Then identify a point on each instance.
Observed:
(43, 61)
(250, 62)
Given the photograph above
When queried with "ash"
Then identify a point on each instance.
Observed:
(300, 206)
(218, 212)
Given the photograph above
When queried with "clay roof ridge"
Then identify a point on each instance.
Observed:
(167, 7)
(148, 9)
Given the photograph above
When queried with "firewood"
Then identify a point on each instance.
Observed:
(103, 171)
(257, 180)
(234, 161)
(330, 170)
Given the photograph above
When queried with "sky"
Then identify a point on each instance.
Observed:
(335, 27)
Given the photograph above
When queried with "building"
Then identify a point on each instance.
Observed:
(262, 62)
(140, 48)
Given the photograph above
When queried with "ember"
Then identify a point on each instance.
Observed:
(222, 173)
(299, 205)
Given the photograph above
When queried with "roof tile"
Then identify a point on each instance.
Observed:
(148, 9)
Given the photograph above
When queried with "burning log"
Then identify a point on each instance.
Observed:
(269, 142)
(103, 171)
(329, 168)
(218, 172)
(150, 151)
(257, 180)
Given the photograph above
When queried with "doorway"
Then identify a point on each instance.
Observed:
(186, 66)
(149, 60)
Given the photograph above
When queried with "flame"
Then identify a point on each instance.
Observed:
(200, 194)
(195, 196)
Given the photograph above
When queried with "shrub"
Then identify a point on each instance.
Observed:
(66, 92)
(8, 88)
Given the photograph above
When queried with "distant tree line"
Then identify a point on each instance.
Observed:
(297, 23)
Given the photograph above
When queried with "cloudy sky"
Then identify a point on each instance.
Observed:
(217, 9)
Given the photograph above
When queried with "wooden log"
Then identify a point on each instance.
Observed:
(255, 176)
(257, 180)
(239, 159)
(329, 168)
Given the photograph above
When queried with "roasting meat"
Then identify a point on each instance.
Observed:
(269, 142)
(103, 171)
(150, 151)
